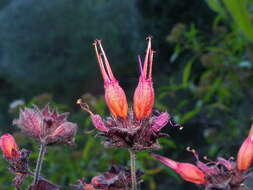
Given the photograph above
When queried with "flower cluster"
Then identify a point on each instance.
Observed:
(47, 126)
(220, 174)
(136, 128)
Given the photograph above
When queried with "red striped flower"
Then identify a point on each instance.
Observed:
(144, 92)
(114, 95)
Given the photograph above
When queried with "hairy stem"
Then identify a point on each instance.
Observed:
(40, 159)
(133, 169)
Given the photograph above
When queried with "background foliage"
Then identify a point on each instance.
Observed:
(202, 75)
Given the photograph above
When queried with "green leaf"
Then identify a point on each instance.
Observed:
(215, 5)
(168, 143)
(240, 13)
(187, 73)
(176, 53)
(190, 115)
(213, 89)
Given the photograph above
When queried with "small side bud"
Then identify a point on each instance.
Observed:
(9, 147)
(143, 100)
(245, 154)
(160, 121)
(188, 172)
(97, 121)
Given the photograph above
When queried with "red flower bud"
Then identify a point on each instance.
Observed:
(144, 92)
(114, 95)
(188, 172)
(245, 154)
(9, 147)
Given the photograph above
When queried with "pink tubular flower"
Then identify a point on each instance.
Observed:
(218, 174)
(114, 95)
(144, 93)
(46, 126)
(188, 172)
(9, 147)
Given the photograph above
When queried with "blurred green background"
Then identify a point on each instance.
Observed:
(202, 76)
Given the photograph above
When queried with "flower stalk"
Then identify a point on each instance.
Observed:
(133, 168)
(39, 163)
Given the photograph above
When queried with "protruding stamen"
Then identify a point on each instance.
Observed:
(174, 124)
(193, 151)
(108, 68)
(140, 63)
(145, 67)
(84, 106)
(101, 64)
(210, 161)
(150, 64)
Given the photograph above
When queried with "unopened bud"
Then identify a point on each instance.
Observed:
(9, 147)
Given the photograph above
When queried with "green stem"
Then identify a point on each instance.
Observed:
(133, 169)
(40, 159)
